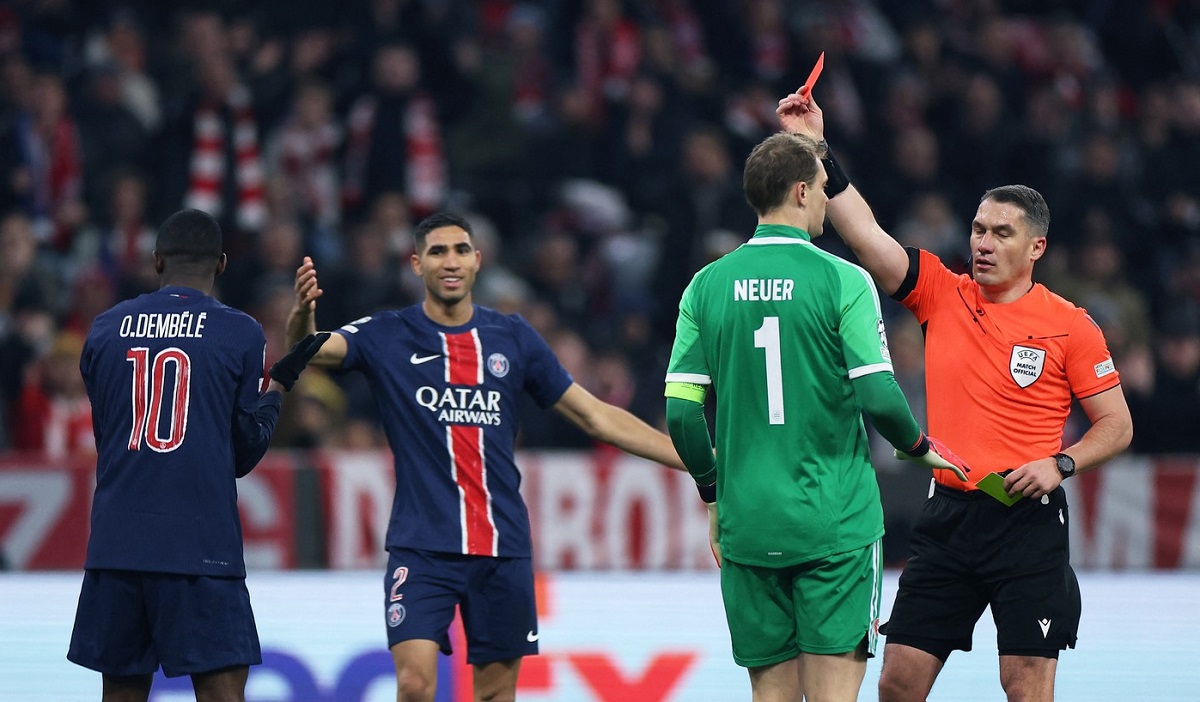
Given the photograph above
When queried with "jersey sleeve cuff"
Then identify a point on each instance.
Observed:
(920, 448)
(869, 369)
(1092, 392)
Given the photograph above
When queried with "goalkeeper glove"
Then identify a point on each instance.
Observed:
(933, 453)
(287, 369)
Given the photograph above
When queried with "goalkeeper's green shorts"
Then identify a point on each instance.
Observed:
(828, 606)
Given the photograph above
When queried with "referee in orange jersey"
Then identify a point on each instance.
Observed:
(1004, 357)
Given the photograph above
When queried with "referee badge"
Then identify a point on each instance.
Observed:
(1026, 364)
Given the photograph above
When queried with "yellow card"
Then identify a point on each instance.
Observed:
(993, 484)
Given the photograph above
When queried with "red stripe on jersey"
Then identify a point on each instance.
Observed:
(463, 363)
(470, 472)
(464, 366)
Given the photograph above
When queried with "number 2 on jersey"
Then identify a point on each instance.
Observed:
(149, 388)
(766, 337)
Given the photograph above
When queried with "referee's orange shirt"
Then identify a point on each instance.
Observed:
(999, 377)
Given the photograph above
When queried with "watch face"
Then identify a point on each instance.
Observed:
(1066, 465)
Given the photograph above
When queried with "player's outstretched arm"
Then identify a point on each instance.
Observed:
(302, 321)
(616, 426)
(881, 399)
(252, 430)
(287, 370)
(850, 214)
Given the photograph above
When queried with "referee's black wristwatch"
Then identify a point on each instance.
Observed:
(1065, 465)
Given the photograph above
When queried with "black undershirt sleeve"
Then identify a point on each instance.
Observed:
(910, 280)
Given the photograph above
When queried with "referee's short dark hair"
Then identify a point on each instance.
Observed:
(775, 165)
(437, 220)
(189, 237)
(1037, 212)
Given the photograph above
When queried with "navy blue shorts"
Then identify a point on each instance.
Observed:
(499, 610)
(131, 622)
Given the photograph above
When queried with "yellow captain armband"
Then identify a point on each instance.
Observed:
(693, 392)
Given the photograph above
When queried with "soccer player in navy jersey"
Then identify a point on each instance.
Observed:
(175, 381)
(447, 375)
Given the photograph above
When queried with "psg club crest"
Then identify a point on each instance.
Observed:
(395, 614)
(497, 365)
(1026, 364)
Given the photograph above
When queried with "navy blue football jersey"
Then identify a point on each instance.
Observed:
(175, 380)
(448, 397)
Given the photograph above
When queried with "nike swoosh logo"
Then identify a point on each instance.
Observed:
(418, 360)
(531, 637)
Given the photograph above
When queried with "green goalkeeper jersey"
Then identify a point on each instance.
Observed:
(779, 328)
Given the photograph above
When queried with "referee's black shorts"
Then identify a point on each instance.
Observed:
(970, 551)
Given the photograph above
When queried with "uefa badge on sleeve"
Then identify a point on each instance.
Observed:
(395, 614)
(1026, 364)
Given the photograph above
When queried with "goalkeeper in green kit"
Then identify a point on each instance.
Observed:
(791, 340)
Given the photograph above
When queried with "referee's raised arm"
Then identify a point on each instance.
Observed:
(877, 251)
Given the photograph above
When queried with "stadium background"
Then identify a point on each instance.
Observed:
(596, 145)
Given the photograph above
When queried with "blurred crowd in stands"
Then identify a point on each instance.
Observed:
(596, 145)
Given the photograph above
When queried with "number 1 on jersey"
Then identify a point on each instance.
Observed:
(149, 387)
(766, 337)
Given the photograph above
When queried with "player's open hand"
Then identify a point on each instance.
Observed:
(1033, 479)
(938, 456)
(307, 289)
(286, 370)
(799, 114)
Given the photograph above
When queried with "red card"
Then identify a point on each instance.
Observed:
(806, 89)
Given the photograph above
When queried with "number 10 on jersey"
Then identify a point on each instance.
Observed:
(766, 337)
(149, 389)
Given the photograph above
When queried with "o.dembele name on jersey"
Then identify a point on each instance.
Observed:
(763, 289)
(170, 325)
(461, 405)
